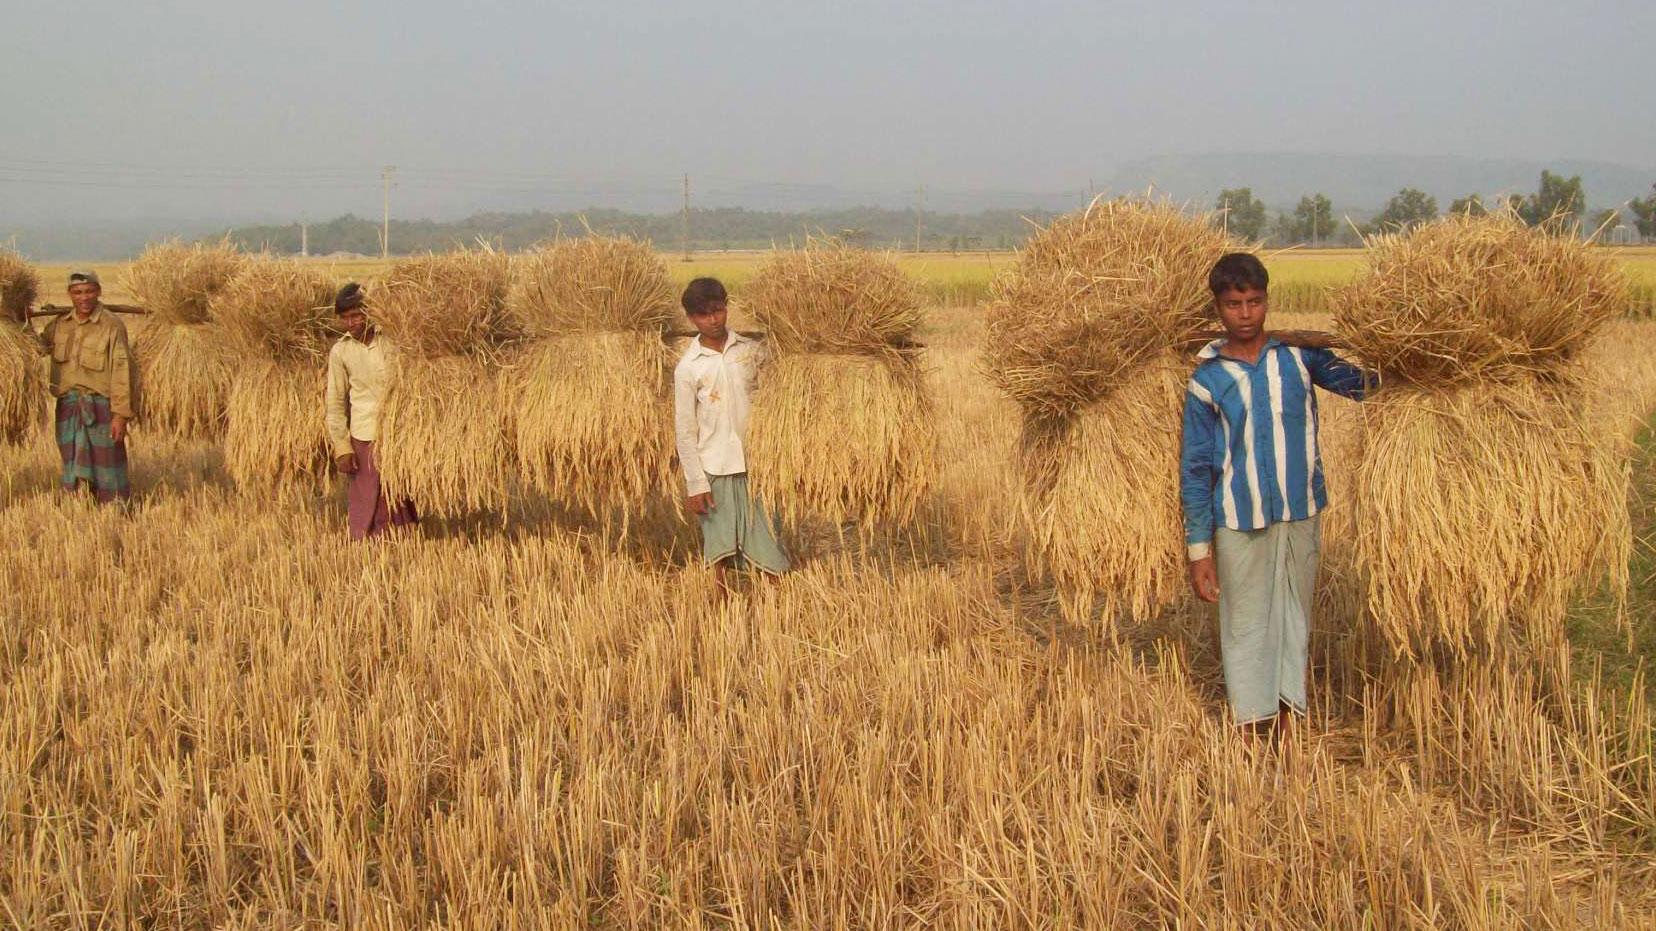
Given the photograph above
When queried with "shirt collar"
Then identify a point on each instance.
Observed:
(1211, 350)
(697, 349)
(95, 316)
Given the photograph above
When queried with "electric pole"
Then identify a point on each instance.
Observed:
(919, 215)
(385, 224)
(684, 221)
(304, 239)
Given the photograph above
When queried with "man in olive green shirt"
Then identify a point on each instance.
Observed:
(95, 380)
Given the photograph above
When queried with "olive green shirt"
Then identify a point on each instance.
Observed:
(94, 356)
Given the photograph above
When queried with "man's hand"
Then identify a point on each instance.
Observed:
(346, 464)
(117, 429)
(1204, 579)
(700, 504)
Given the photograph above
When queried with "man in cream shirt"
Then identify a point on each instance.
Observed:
(358, 370)
(710, 404)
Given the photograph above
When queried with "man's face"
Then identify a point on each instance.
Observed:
(84, 295)
(1242, 312)
(709, 321)
(354, 322)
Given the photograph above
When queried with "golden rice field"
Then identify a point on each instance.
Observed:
(219, 714)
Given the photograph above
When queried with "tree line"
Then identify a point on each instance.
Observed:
(1557, 202)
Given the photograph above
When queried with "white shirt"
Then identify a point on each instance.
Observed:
(710, 408)
(357, 379)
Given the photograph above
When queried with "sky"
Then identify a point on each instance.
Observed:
(185, 109)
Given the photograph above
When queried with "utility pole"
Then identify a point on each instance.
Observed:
(919, 216)
(304, 239)
(684, 222)
(1224, 217)
(385, 224)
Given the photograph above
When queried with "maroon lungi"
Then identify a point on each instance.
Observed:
(370, 513)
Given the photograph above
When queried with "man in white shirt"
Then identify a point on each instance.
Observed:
(711, 385)
(358, 367)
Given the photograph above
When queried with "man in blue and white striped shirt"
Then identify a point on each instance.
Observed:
(1251, 483)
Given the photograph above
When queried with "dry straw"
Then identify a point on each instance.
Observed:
(443, 429)
(184, 373)
(442, 441)
(22, 392)
(1087, 334)
(841, 427)
(588, 398)
(176, 282)
(19, 286)
(1093, 297)
(451, 303)
(1488, 495)
(278, 317)
(275, 433)
(1468, 299)
(1485, 508)
(277, 309)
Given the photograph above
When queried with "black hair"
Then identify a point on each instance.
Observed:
(349, 297)
(700, 292)
(1238, 271)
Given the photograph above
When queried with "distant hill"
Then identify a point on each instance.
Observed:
(1361, 184)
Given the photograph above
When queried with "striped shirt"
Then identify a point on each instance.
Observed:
(1249, 457)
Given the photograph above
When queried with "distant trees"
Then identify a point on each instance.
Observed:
(1604, 223)
(1471, 205)
(1559, 201)
(1406, 210)
(1241, 212)
(1644, 213)
(1311, 222)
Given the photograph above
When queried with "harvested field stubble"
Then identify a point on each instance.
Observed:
(841, 427)
(542, 734)
(1087, 333)
(588, 397)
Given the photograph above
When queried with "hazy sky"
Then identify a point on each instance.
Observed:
(218, 109)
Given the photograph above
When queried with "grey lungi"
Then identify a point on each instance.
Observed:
(1266, 581)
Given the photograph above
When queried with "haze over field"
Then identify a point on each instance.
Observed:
(196, 115)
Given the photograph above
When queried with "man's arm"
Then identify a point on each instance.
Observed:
(1196, 480)
(687, 434)
(1335, 374)
(334, 411)
(123, 376)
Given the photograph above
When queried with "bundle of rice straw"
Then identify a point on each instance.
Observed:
(443, 439)
(278, 317)
(841, 426)
(184, 363)
(22, 393)
(589, 396)
(19, 286)
(1088, 333)
(1487, 493)
(176, 282)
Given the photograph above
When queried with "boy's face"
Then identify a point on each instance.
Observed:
(709, 320)
(1242, 312)
(354, 322)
